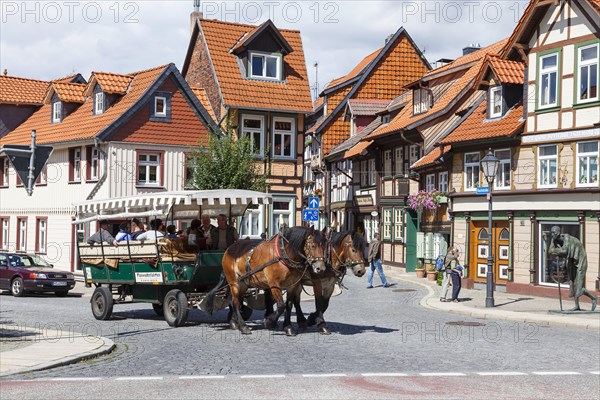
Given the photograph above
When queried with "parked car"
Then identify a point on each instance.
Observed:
(22, 273)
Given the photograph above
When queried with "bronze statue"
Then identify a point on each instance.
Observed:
(570, 248)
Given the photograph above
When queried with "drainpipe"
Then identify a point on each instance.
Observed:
(104, 170)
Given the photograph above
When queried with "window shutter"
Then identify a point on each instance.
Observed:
(71, 165)
(488, 107)
(2, 172)
(88, 163)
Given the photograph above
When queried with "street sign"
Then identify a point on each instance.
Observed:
(313, 202)
(310, 215)
(482, 190)
(20, 162)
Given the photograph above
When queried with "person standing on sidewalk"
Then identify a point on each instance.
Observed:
(450, 261)
(457, 274)
(375, 262)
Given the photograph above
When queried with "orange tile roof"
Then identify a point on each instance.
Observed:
(15, 90)
(508, 71)
(112, 83)
(461, 84)
(68, 92)
(66, 79)
(478, 127)
(201, 95)
(359, 148)
(367, 107)
(355, 71)
(318, 102)
(240, 92)
(82, 124)
(596, 3)
(431, 157)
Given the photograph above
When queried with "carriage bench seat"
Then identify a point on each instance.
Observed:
(137, 249)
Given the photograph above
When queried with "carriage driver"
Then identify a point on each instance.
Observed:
(224, 236)
(102, 235)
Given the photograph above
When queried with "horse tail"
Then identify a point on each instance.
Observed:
(210, 297)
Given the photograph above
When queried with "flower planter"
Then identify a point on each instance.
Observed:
(432, 276)
(420, 273)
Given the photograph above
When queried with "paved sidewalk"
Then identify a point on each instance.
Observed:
(508, 306)
(25, 349)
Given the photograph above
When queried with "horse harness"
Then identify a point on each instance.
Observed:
(341, 272)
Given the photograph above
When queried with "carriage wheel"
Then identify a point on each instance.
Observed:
(102, 303)
(175, 308)
(158, 309)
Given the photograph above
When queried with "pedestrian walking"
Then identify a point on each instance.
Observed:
(375, 262)
(457, 274)
(450, 261)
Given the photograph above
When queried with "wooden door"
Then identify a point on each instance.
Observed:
(479, 247)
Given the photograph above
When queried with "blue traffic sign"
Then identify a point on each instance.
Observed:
(483, 190)
(310, 215)
(313, 202)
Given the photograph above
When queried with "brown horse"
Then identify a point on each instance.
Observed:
(275, 265)
(345, 250)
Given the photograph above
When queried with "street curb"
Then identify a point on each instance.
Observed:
(105, 348)
(524, 317)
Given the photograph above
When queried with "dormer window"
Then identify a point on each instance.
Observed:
(99, 103)
(56, 111)
(496, 102)
(160, 106)
(422, 101)
(265, 66)
(385, 119)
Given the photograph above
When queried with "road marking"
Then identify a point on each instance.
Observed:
(556, 373)
(202, 377)
(503, 373)
(442, 374)
(139, 378)
(595, 372)
(323, 375)
(74, 379)
(373, 374)
(261, 376)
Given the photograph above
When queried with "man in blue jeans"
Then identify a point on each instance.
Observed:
(375, 262)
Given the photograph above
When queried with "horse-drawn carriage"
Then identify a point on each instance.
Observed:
(161, 272)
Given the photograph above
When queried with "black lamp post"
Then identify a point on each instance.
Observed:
(489, 165)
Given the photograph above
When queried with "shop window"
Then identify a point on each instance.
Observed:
(551, 265)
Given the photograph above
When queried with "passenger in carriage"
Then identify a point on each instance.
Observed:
(102, 235)
(224, 236)
(204, 237)
(192, 235)
(123, 234)
(137, 229)
(154, 233)
(172, 232)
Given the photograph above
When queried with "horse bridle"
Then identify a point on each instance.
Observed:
(341, 272)
(310, 259)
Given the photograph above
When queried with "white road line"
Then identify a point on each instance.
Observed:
(203, 377)
(556, 373)
(595, 372)
(261, 376)
(374, 374)
(73, 379)
(442, 374)
(139, 378)
(503, 373)
(323, 375)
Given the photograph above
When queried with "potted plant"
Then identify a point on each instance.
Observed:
(420, 270)
(432, 273)
(318, 192)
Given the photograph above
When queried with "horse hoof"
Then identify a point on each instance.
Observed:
(270, 324)
(233, 325)
(324, 331)
(289, 331)
(302, 325)
(246, 330)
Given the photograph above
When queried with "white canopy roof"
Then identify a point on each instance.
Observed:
(183, 204)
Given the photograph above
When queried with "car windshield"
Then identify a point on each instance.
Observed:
(26, 260)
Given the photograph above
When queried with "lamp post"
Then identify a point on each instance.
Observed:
(489, 165)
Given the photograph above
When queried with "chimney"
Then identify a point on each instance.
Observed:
(195, 16)
(471, 48)
(5, 72)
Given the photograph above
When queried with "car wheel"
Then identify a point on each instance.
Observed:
(16, 287)
(61, 293)
(158, 309)
(102, 303)
(175, 308)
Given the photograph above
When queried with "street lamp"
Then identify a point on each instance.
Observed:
(489, 165)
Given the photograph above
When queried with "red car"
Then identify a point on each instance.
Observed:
(22, 273)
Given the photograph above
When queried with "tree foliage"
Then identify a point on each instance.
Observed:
(226, 163)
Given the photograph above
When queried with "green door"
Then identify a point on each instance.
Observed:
(411, 239)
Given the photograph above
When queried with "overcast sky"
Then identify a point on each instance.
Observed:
(51, 39)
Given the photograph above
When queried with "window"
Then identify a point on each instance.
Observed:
(430, 182)
(471, 171)
(387, 223)
(548, 80)
(282, 212)
(253, 128)
(265, 66)
(75, 165)
(364, 173)
(504, 234)
(496, 102)
(421, 101)
(4, 163)
(443, 182)
(160, 106)
(251, 224)
(399, 160)
(385, 119)
(547, 164)
(398, 229)
(502, 180)
(372, 172)
(41, 236)
(42, 177)
(99, 103)
(94, 164)
(587, 163)
(4, 225)
(415, 154)
(283, 137)
(387, 163)
(57, 111)
(21, 234)
(549, 266)
(483, 235)
(149, 169)
(587, 79)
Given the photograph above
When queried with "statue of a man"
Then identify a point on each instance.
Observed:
(568, 247)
